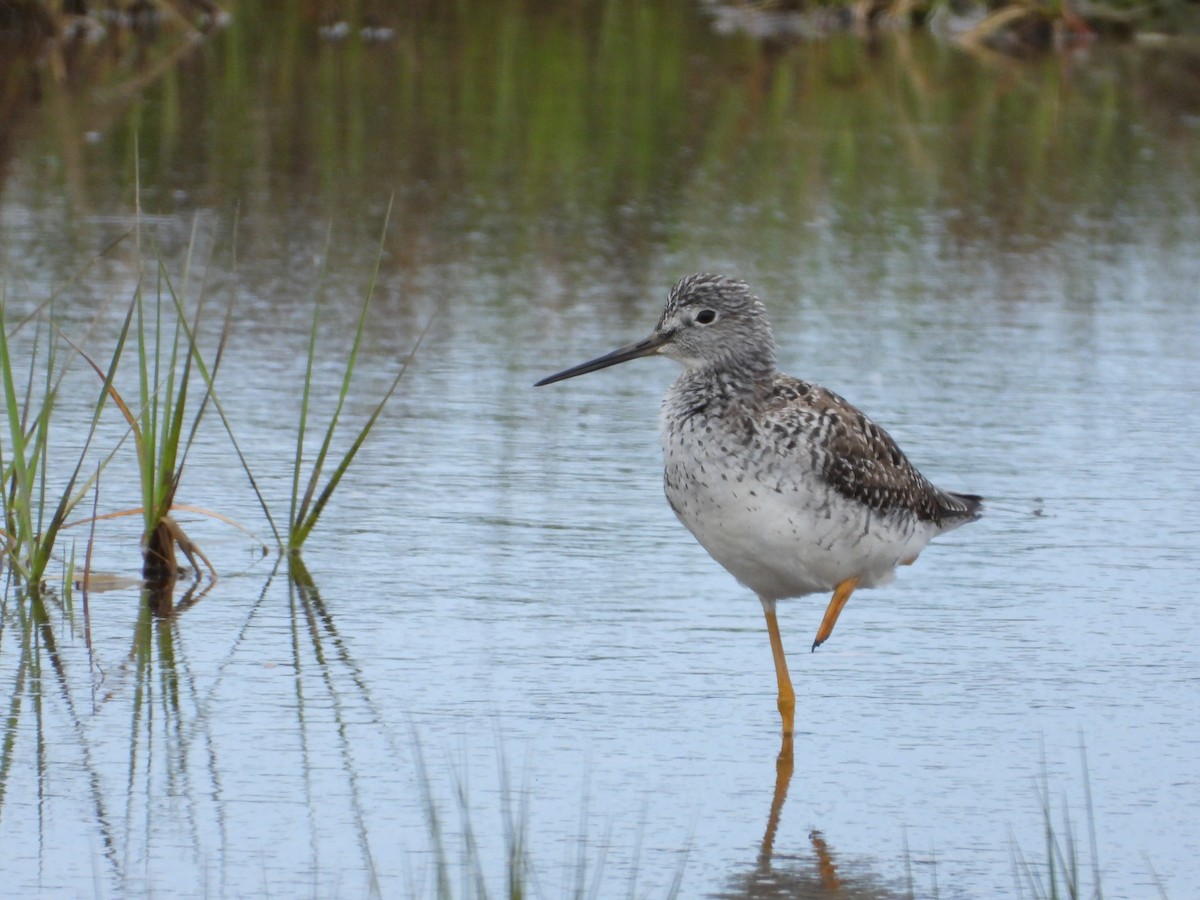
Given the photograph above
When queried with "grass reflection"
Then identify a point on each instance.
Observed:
(43, 695)
(169, 789)
(620, 128)
(173, 783)
(314, 632)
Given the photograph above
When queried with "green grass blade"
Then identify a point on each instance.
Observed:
(303, 518)
(145, 446)
(31, 542)
(441, 862)
(11, 407)
(107, 376)
(297, 509)
(192, 333)
(70, 497)
(38, 432)
(209, 377)
(302, 514)
(26, 472)
(171, 409)
(41, 544)
(305, 527)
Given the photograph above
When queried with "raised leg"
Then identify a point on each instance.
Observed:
(840, 595)
(787, 696)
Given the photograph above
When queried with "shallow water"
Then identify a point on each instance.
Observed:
(997, 263)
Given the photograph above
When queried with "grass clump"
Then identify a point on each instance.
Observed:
(307, 504)
(309, 494)
(158, 433)
(163, 427)
(29, 533)
(1063, 875)
(163, 415)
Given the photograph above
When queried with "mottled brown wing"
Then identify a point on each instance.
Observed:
(858, 458)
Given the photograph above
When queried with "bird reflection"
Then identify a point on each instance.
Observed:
(815, 874)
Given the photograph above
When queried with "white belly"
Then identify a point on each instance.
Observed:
(787, 537)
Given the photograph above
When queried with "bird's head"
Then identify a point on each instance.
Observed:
(709, 322)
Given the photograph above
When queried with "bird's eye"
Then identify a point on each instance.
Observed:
(706, 317)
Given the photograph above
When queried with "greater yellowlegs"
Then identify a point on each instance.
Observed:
(784, 483)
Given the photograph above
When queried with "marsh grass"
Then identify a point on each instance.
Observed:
(35, 512)
(164, 370)
(1063, 874)
(470, 868)
(1058, 875)
(585, 876)
(162, 448)
(309, 502)
(312, 486)
(163, 420)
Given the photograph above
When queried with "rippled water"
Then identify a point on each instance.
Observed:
(504, 619)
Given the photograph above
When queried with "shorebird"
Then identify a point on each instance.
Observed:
(783, 482)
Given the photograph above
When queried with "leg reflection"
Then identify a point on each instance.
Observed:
(784, 766)
(801, 875)
(829, 874)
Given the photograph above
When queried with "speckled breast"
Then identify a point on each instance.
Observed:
(774, 523)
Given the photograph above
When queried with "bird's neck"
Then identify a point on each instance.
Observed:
(723, 386)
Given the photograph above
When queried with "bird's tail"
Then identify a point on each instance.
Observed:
(959, 509)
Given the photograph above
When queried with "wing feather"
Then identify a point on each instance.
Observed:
(856, 457)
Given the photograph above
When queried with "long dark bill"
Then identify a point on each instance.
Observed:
(645, 347)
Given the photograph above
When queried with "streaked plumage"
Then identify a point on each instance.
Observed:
(786, 484)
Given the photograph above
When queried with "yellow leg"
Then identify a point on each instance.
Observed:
(840, 596)
(787, 696)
